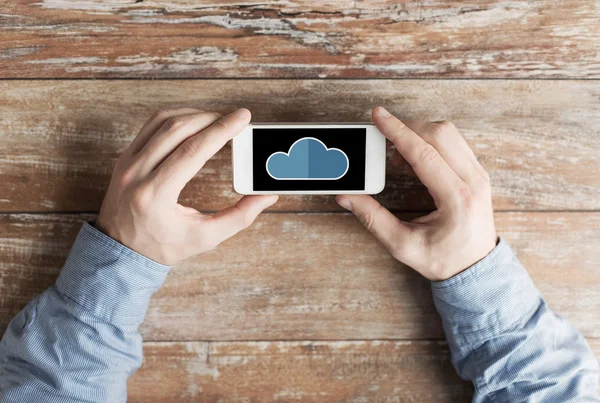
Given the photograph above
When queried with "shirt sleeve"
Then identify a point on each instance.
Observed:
(505, 339)
(78, 340)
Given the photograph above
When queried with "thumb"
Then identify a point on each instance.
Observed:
(228, 222)
(388, 229)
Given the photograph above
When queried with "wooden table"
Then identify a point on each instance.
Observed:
(305, 305)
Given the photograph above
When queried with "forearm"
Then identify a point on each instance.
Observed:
(505, 339)
(78, 341)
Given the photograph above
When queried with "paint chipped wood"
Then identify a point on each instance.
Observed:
(310, 276)
(300, 39)
(538, 139)
(362, 371)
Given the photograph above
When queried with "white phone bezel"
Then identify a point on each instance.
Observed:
(374, 165)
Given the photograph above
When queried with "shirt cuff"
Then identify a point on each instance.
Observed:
(492, 296)
(111, 281)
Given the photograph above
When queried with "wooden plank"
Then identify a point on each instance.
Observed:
(538, 139)
(300, 39)
(310, 276)
(358, 371)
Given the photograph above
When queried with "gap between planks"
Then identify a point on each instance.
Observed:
(539, 147)
(310, 340)
(294, 78)
(302, 212)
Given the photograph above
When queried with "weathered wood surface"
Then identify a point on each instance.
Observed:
(307, 285)
(310, 276)
(300, 38)
(538, 139)
(356, 371)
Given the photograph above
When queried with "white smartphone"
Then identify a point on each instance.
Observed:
(299, 158)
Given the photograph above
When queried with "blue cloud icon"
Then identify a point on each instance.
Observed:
(308, 158)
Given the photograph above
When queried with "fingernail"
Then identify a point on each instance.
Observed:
(241, 113)
(344, 202)
(381, 111)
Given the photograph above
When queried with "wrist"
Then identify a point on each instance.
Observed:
(474, 258)
(128, 236)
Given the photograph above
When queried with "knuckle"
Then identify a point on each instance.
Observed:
(121, 182)
(465, 197)
(141, 199)
(427, 153)
(220, 123)
(404, 239)
(125, 177)
(189, 148)
(368, 218)
(175, 123)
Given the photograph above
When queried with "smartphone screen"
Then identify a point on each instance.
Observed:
(309, 159)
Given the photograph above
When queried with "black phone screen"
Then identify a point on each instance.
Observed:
(308, 159)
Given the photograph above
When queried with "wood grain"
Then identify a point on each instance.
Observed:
(358, 371)
(538, 139)
(310, 276)
(300, 39)
(305, 305)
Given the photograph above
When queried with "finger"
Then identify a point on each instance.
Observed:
(171, 134)
(226, 223)
(153, 124)
(450, 144)
(394, 234)
(185, 162)
(441, 181)
(469, 150)
(460, 139)
(419, 125)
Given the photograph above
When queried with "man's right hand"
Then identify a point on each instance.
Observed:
(461, 231)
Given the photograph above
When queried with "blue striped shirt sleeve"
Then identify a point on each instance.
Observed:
(505, 339)
(78, 341)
